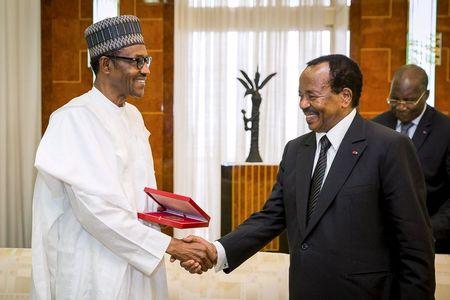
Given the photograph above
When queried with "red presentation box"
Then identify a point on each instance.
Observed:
(175, 211)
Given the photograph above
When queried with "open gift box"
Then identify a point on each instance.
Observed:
(175, 210)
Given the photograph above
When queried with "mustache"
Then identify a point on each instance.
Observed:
(142, 76)
(309, 110)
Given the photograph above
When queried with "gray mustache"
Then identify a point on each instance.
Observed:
(309, 110)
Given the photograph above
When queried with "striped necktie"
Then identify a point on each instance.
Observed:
(404, 127)
(317, 179)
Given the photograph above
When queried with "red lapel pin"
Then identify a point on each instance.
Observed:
(354, 152)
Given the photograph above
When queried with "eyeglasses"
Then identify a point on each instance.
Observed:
(140, 60)
(396, 102)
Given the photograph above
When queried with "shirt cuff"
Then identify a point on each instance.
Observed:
(222, 262)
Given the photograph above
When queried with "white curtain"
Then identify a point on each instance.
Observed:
(421, 44)
(213, 41)
(20, 116)
(102, 9)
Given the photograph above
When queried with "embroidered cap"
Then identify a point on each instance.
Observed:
(113, 34)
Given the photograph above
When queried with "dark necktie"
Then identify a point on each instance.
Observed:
(404, 127)
(317, 179)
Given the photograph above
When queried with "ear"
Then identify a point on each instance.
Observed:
(346, 97)
(104, 65)
(427, 94)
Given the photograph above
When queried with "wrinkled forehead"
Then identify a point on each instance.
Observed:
(316, 76)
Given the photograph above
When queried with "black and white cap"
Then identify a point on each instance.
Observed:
(113, 34)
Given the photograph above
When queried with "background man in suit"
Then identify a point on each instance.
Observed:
(350, 197)
(430, 133)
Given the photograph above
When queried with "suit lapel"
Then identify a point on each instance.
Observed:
(303, 167)
(423, 128)
(349, 152)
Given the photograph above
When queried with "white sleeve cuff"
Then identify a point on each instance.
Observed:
(222, 262)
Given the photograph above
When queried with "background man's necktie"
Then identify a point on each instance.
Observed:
(317, 179)
(404, 127)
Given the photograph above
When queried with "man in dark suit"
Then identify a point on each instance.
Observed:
(350, 197)
(430, 133)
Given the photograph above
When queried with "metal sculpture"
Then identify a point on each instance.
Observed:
(252, 88)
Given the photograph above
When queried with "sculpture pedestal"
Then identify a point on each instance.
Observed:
(245, 189)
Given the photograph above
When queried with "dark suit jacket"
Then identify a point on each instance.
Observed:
(369, 237)
(432, 142)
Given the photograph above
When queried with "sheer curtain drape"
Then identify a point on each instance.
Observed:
(20, 112)
(213, 41)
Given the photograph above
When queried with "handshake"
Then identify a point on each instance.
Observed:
(195, 254)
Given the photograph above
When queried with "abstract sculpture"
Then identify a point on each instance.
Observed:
(253, 89)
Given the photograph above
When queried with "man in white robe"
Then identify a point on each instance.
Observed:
(93, 163)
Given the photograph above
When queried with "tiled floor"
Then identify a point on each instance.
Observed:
(15, 272)
(264, 276)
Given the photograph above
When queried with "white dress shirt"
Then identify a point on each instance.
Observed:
(335, 135)
(415, 123)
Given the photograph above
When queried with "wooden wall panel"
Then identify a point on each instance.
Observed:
(376, 9)
(245, 189)
(378, 43)
(442, 102)
(46, 61)
(167, 108)
(377, 63)
(65, 74)
(378, 30)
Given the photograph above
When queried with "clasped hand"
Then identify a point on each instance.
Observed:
(195, 254)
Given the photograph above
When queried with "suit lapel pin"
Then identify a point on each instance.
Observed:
(424, 132)
(354, 152)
